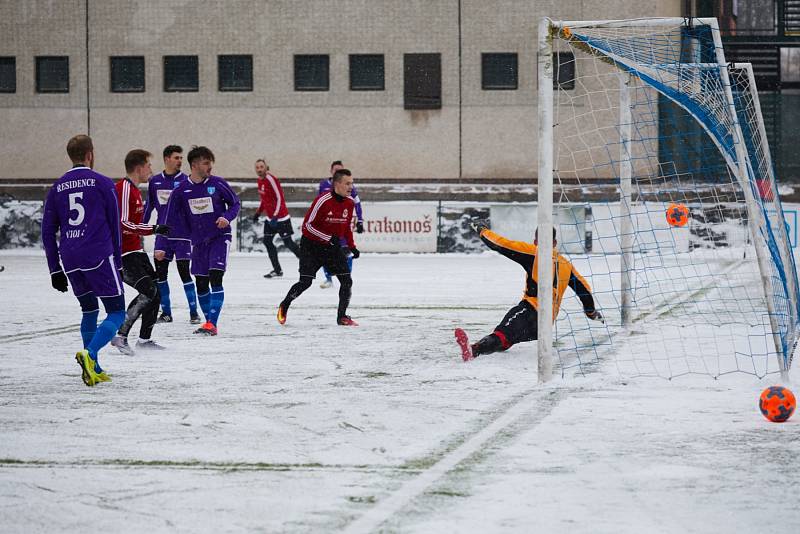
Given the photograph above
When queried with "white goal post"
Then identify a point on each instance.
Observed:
(651, 108)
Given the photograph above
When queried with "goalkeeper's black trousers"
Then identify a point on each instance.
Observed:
(519, 324)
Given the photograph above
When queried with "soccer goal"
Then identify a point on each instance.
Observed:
(645, 124)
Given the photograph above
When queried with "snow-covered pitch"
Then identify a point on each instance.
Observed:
(312, 427)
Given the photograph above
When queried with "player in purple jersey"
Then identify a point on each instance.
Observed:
(324, 186)
(158, 193)
(81, 208)
(202, 208)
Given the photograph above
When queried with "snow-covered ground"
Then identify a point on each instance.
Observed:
(311, 427)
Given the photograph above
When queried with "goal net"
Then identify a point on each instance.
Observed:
(637, 118)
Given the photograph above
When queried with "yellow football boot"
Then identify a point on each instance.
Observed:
(88, 374)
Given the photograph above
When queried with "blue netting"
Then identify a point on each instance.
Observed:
(698, 301)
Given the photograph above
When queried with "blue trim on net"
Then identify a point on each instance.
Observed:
(725, 141)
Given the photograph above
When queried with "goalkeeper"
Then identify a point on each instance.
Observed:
(520, 323)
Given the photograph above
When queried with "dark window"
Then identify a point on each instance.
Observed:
(564, 75)
(52, 74)
(235, 73)
(366, 72)
(311, 72)
(127, 74)
(499, 71)
(8, 75)
(422, 82)
(181, 74)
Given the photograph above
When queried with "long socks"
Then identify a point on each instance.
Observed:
(216, 300)
(191, 297)
(291, 245)
(166, 305)
(105, 331)
(272, 252)
(205, 304)
(297, 289)
(188, 285)
(90, 310)
(345, 290)
(89, 326)
(488, 345)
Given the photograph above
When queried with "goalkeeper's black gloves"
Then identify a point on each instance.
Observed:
(160, 229)
(478, 225)
(355, 252)
(59, 281)
(596, 316)
(359, 227)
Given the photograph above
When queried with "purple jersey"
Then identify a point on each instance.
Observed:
(82, 208)
(326, 185)
(193, 209)
(158, 191)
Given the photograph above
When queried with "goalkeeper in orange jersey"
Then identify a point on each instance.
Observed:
(520, 323)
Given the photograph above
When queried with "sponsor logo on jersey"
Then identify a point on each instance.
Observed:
(201, 205)
(163, 196)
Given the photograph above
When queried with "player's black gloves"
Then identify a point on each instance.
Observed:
(161, 229)
(359, 227)
(255, 217)
(273, 223)
(334, 242)
(59, 281)
(355, 252)
(478, 225)
(596, 316)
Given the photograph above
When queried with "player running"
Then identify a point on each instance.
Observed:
(273, 205)
(326, 223)
(520, 323)
(137, 271)
(202, 208)
(82, 208)
(160, 188)
(324, 186)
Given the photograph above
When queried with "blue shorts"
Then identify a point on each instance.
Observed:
(210, 255)
(103, 280)
(180, 249)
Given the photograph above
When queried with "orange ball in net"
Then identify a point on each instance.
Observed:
(777, 403)
(677, 214)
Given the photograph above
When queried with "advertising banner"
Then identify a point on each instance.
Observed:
(398, 227)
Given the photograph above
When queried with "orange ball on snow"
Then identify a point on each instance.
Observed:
(777, 403)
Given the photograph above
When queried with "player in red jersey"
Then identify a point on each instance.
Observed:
(327, 220)
(273, 205)
(137, 271)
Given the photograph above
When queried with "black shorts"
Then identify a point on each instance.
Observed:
(520, 324)
(314, 255)
(135, 267)
(284, 228)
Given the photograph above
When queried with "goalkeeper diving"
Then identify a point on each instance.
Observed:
(520, 323)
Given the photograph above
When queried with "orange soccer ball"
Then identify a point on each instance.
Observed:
(777, 403)
(677, 214)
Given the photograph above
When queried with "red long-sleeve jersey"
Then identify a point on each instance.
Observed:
(131, 213)
(273, 203)
(328, 216)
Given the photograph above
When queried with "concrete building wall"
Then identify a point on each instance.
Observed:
(476, 133)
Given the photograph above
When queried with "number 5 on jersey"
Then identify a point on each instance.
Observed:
(74, 205)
